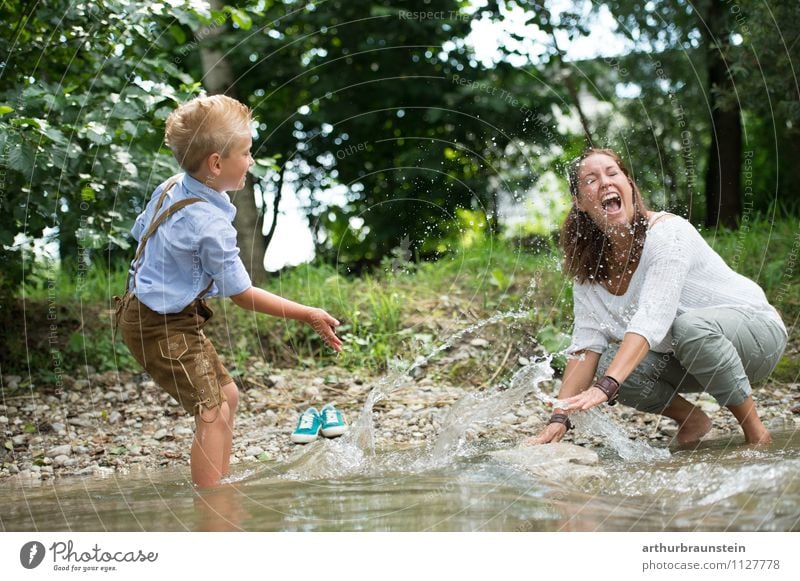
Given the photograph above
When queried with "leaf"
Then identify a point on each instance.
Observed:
(21, 158)
(178, 34)
(240, 18)
(5, 109)
(125, 110)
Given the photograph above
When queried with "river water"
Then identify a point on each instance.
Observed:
(448, 484)
(723, 485)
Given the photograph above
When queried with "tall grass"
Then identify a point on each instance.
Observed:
(398, 311)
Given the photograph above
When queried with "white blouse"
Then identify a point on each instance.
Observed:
(678, 272)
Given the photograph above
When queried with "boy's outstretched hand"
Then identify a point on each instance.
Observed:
(324, 326)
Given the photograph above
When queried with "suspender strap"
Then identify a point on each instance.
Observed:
(160, 220)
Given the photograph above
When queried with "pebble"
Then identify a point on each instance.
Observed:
(414, 412)
(64, 450)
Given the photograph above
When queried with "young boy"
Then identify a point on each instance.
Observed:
(188, 251)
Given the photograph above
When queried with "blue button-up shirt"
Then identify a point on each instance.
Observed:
(190, 248)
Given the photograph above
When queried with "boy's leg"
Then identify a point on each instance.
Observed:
(213, 441)
(231, 393)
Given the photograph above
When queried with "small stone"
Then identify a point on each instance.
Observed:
(114, 417)
(509, 418)
(270, 418)
(58, 427)
(264, 457)
(64, 450)
(254, 451)
(160, 434)
(3, 420)
(483, 343)
(276, 381)
(60, 460)
(19, 440)
(523, 361)
(182, 431)
(311, 392)
(80, 422)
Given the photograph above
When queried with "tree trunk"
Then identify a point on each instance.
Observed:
(276, 202)
(218, 78)
(723, 179)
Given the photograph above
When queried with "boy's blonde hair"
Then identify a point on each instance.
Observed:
(206, 125)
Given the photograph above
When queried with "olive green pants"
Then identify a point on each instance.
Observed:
(719, 350)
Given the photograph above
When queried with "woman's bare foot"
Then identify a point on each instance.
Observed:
(758, 438)
(694, 427)
(693, 423)
(754, 430)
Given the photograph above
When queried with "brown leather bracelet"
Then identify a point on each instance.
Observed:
(609, 386)
(561, 419)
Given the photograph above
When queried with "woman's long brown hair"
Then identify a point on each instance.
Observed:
(587, 249)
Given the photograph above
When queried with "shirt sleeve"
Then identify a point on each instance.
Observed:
(665, 277)
(587, 333)
(219, 257)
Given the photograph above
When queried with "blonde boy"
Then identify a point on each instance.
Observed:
(188, 251)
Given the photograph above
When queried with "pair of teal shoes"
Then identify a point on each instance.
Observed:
(329, 422)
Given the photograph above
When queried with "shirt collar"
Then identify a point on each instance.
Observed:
(221, 200)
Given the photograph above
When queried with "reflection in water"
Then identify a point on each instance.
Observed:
(718, 487)
(220, 509)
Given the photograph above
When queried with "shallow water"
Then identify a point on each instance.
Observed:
(722, 486)
(452, 483)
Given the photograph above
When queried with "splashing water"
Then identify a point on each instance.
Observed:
(475, 409)
(354, 452)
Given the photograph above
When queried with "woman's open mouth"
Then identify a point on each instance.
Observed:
(611, 203)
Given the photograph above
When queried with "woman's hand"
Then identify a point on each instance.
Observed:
(584, 400)
(551, 433)
(324, 325)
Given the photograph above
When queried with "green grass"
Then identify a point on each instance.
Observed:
(387, 315)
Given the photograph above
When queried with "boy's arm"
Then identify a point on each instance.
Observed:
(261, 301)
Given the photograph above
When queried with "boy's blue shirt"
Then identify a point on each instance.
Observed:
(192, 247)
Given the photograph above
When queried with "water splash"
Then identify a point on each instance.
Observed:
(597, 422)
(480, 408)
(354, 452)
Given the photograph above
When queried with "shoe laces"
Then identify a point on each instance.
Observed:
(306, 421)
(331, 416)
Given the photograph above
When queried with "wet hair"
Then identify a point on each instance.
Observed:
(587, 249)
(206, 125)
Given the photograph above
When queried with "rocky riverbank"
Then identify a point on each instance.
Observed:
(115, 423)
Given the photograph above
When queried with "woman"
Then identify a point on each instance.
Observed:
(657, 311)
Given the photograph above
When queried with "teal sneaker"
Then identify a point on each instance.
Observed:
(308, 427)
(333, 423)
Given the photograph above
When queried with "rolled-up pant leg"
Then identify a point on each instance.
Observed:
(719, 350)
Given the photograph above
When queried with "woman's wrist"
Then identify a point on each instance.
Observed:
(610, 387)
(561, 418)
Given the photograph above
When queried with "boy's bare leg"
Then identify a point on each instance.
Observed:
(231, 393)
(213, 440)
(693, 423)
(747, 416)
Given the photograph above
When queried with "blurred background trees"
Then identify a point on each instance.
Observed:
(382, 122)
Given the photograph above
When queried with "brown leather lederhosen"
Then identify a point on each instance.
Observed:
(172, 347)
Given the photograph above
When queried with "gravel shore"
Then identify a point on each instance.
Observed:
(122, 422)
